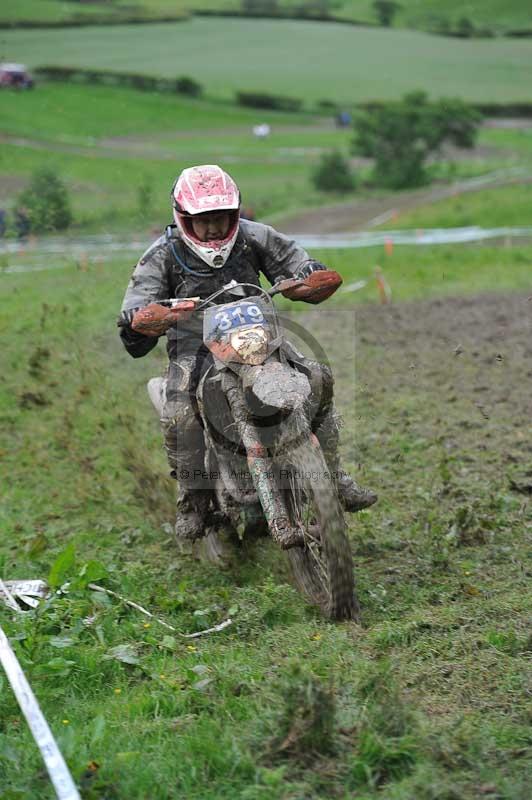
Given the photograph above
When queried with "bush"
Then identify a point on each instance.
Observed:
(264, 100)
(46, 202)
(147, 83)
(401, 135)
(386, 11)
(333, 173)
(188, 86)
(465, 27)
(438, 24)
(327, 105)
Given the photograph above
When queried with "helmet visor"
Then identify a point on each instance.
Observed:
(214, 228)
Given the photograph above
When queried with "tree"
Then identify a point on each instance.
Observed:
(46, 202)
(465, 27)
(187, 85)
(401, 135)
(386, 11)
(333, 173)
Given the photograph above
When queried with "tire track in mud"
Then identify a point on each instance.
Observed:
(361, 214)
(451, 373)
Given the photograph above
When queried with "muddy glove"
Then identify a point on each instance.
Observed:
(315, 288)
(154, 319)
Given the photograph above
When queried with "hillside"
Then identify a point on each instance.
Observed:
(356, 64)
(493, 16)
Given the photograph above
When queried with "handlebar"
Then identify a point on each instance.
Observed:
(278, 287)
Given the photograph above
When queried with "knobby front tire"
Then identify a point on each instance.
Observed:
(323, 568)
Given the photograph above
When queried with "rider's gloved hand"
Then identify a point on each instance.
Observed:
(154, 319)
(315, 288)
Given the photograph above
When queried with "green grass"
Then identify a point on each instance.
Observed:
(58, 11)
(67, 126)
(424, 700)
(273, 56)
(421, 272)
(104, 190)
(517, 141)
(490, 208)
(497, 15)
(81, 114)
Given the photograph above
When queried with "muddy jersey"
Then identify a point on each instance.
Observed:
(169, 269)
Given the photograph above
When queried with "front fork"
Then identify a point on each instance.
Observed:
(260, 468)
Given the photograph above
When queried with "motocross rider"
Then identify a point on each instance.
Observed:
(207, 246)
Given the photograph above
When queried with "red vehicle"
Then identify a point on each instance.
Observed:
(15, 76)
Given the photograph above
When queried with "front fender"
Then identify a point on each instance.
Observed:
(276, 385)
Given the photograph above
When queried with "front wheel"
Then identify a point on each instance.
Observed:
(323, 567)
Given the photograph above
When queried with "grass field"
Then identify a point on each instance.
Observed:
(518, 140)
(109, 144)
(56, 10)
(68, 127)
(273, 56)
(490, 208)
(425, 699)
(497, 15)
(81, 114)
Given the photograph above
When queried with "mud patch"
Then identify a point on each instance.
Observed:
(444, 383)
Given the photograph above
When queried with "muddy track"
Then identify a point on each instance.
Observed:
(454, 372)
(365, 213)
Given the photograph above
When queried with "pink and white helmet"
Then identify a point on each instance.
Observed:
(197, 191)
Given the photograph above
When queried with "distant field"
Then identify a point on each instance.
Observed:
(519, 140)
(275, 56)
(499, 15)
(77, 113)
(106, 142)
(496, 15)
(104, 190)
(57, 10)
(491, 208)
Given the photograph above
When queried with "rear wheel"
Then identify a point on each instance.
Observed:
(323, 567)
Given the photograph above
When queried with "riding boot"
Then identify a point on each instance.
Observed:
(191, 514)
(353, 497)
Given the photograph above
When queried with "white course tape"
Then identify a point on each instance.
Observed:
(61, 778)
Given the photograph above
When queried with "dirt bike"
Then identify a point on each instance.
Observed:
(264, 462)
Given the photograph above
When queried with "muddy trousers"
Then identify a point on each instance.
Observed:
(173, 398)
